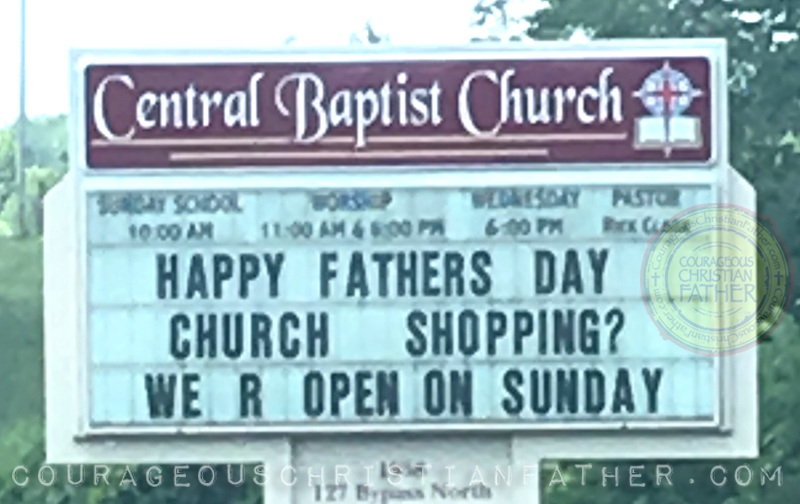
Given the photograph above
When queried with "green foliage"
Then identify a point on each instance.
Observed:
(38, 181)
(8, 155)
(22, 419)
(21, 307)
(46, 161)
(46, 138)
(46, 142)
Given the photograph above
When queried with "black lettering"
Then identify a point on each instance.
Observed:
(572, 273)
(190, 394)
(260, 342)
(512, 379)
(442, 333)
(250, 396)
(468, 333)
(556, 390)
(453, 274)
(386, 398)
(652, 382)
(199, 231)
(481, 262)
(167, 276)
(374, 393)
(434, 391)
(496, 328)
(388, 393)
(203, 334)
(612, 225)
(614, 313)
(429, 274)
(646, 197)
(362, 393)
(541, 391)
(598, 262)
(160, 394)
(567, 391)
(383, 259)
(197, 283)
(207, 336)
(564, 332)
(617, 195)
(416, 344)
(200, 286)
(595, 382)
(326, 273)
(209, 203)
(247, 273)
(179, 348)
(274, 264)
(340, 389)
(223, 271)
(623, 394)
(461, 392)
(318, 340)
(589, 338)
(523, 328)
(407, 274)
(542, 332)
(289, 345)
(357, 276)
(545, 271)
(438, 397)
(232, 335)
(313, 394)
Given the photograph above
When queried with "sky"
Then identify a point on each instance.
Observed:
(55, 26)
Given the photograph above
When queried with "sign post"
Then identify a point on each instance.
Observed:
(437, 253)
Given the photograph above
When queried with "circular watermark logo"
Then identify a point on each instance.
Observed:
(716, 279)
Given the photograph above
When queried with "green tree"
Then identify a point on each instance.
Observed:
(46, 157)
(8, 155)
(47, 141)
(38, 181)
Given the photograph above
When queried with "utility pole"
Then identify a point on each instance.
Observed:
(23, 228)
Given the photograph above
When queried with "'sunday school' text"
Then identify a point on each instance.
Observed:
(466, 337)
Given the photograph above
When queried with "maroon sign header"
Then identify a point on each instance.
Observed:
(399, 113)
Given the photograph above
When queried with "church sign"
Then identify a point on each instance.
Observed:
(255, 247)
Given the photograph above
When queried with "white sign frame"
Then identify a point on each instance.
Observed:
(735, 434)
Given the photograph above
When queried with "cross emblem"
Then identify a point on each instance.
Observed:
(668, 93)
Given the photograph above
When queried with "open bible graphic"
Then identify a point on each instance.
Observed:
(667, 95)
(680, 132)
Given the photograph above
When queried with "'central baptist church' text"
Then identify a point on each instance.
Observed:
(314, 109)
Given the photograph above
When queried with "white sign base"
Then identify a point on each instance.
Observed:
(456, 470)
